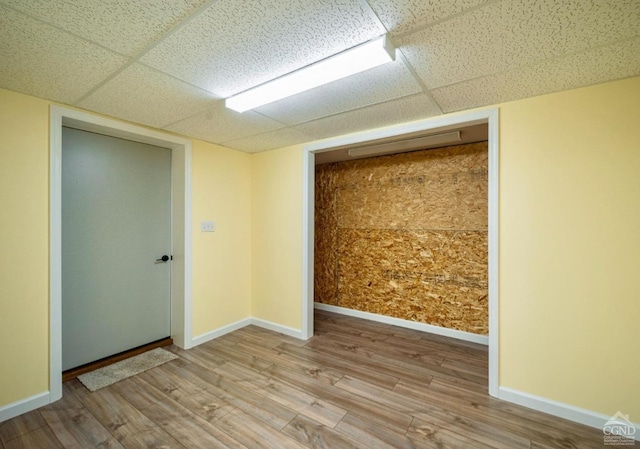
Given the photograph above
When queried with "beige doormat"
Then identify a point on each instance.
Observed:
(111, 374)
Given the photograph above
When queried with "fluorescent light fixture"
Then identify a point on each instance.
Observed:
(349, 62)
(417, 143)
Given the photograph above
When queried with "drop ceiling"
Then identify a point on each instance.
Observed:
(170, 63)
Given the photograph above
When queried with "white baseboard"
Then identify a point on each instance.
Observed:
(559, 409)
(296, 333)
(460, 335)
(203, 338)
(286, 330)
(24, 406)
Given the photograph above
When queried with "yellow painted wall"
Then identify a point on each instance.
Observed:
(221, 191)
(277, 236)
(221, 184)
(24, 263)
(570, 247)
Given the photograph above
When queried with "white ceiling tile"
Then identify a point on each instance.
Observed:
(219, 124)
(397, 111)
(468, 52)
(145, 95)
(401, 16)
(279, 138)
(123, 26)
(40, 60)
(236, 45)
(510, 33)
(593, 66)
(377, 85)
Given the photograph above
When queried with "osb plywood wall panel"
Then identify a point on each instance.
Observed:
(406, 236)
(326, 235)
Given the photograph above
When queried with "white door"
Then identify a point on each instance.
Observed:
(116, 223)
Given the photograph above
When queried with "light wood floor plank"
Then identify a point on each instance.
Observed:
(358, 405)
(266, 337)
(372, 435)
(129, 425)
(20, 425)
(436, 416)
(224, 350)
(344, 366)
(74, 426)
(255, 434)
(425, 364)
(138, 392)
(41, 438)
(428, 349)
(281, 358)
(348, 331)
(261, 408)
(369, 359)
(314, 435)
(502, 417)
(355, 384)
(198, 356)
(188, 428)
(284, 394)
(429, 436)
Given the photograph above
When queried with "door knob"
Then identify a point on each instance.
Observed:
(163, 258)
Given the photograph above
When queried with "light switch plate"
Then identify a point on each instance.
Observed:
(208, 226)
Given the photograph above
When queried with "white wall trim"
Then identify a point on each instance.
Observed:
(55, 254)
(437, 330)
(24, 406)
(286, 330)
(296, 333)
(211, 335)
(493, 246)
(308, 218)
(559, 409)
(181, 270)
(427, 126)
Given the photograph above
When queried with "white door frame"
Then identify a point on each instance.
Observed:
(428, 126)
(181, 273)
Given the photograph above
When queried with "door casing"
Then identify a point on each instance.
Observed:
(181, 270)
(116, 221)
(418, 128)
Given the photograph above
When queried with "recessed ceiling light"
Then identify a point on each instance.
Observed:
(349, 62)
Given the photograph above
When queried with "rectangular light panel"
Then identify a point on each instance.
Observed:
(407, 145)
(349, 62)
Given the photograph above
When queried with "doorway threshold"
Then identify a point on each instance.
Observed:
(83, 369)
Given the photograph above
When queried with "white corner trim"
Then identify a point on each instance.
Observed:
(493, 247)
(559, 409)
(286, 330)
(208, 336)
(24, 406)
(308, 229)
(211, 335)
(460, 335)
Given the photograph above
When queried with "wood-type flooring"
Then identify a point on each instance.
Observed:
(355, 384)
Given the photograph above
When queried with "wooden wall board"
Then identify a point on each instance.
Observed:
(431, 189)
(406, 236)
(435, 277)
(326, 235)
